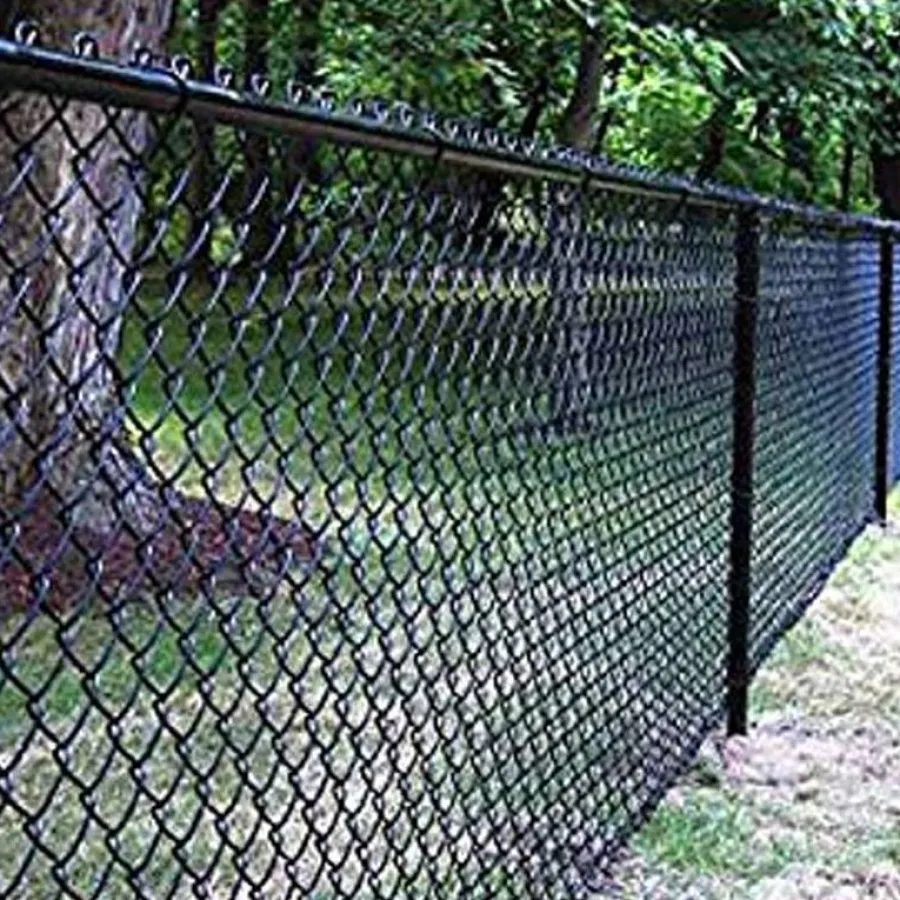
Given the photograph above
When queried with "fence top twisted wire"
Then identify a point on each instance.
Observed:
(168, 86)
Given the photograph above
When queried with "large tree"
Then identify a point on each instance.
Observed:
(68, 234)
(74, 495)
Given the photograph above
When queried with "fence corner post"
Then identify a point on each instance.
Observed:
(747, 250)
(883, 402)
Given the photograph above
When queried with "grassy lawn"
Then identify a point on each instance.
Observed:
(517, 623)
(472, 677)
(807, 806)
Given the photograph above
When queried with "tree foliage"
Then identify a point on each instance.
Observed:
(783, 96)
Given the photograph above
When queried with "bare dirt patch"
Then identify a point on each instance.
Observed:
(807, 806)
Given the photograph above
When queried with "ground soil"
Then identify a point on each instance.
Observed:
(807, 806)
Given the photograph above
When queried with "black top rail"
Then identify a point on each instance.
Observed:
(146, 85)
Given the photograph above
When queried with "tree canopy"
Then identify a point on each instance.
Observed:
(795, 97)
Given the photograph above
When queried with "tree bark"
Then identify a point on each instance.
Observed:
(204, 159)
(571, 395)
(79, 510)
(64, 272)
(576, 127)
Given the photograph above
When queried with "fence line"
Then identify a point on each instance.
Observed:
(885, 327)
(166, 87)
(390, 508)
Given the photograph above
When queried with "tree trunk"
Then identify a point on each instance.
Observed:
(204, 158)
(258, 193)
(79, 511)
(886, 177)
(63, 276)
(576, 127)
(571, 395)
(886, 155)
(309, 28)
(798, 149)
(716, 131)
(487, 190)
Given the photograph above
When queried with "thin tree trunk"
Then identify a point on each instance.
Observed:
(488, 189)
(204, 158)
(576, 127)
(798, 149)
(716, 131)
(309, 36)
(258, 193)
(576, 130)
(886, 181)
(885, 150)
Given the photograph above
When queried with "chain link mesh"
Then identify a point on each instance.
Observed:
(894, 458)
(369, 531)
(817, 335)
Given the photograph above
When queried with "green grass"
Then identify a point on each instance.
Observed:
(711, 833)
(409, 674)
(239, 389)
(802, 647)
(723, 836)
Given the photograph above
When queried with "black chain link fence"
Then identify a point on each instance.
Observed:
(367, 487)
(894, 431)
(817, 337)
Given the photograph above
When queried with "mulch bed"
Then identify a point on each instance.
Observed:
(45, 562)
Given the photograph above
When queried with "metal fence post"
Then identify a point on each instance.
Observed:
(747, 249)
(883, 408)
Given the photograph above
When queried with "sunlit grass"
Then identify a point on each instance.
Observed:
(710, 833)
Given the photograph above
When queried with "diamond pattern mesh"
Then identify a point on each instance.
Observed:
(817, 336)
(365, 523)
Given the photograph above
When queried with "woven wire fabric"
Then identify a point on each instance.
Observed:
(373, 541)
(365, 514)
(817, 333)
(894, 459)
